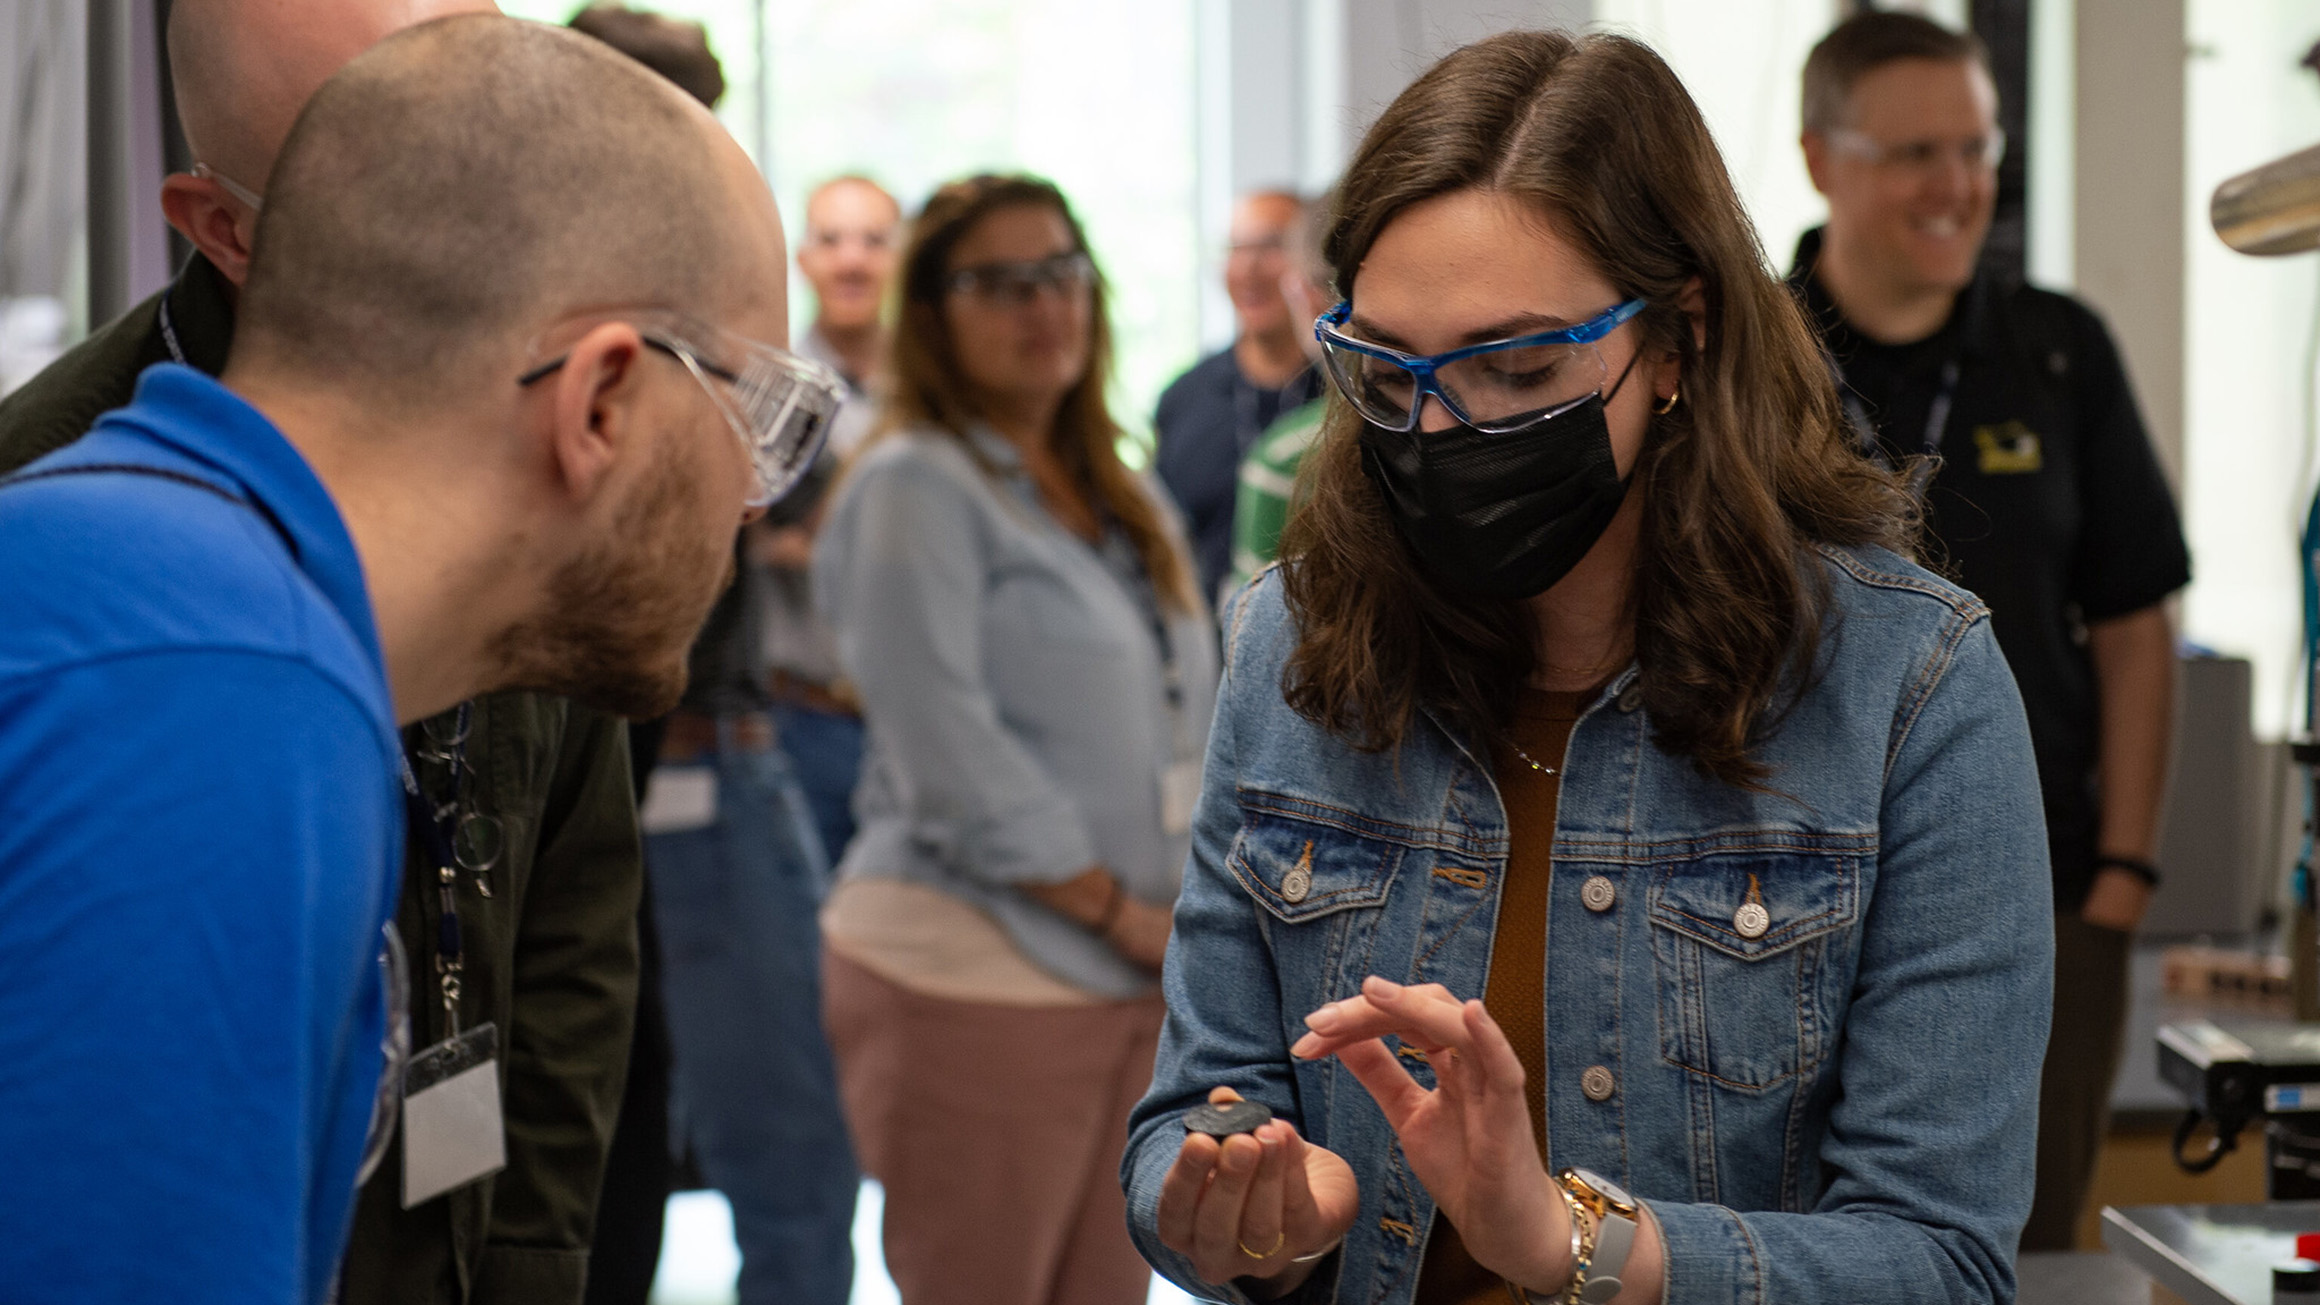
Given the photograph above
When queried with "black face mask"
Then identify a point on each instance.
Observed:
(1504, 515)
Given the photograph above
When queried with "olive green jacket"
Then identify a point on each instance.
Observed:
(550, 955)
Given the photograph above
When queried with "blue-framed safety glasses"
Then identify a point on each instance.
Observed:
(1497, 386)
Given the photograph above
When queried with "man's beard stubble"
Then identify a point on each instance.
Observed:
(619, 620)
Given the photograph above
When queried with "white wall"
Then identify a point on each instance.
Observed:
(1743, 64)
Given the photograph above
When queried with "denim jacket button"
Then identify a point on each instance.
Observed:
(1632, 698)
(1598, 1083)
(1751, 920)
(1297, 883)
(1598, 893)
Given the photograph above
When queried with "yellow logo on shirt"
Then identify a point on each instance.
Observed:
(2009, 449)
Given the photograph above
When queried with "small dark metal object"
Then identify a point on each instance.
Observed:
(1223, 1121)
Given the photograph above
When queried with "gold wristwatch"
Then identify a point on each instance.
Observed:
(1616, 1221)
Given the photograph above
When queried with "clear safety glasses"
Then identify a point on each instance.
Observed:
(1921, 157)
(230, 186)
(778, 404)
(1496, 387)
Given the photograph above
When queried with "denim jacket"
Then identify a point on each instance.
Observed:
(1840, 1108)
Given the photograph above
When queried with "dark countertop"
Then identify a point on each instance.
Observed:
(2209, 1254)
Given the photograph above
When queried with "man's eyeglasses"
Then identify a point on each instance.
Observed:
(778, 404)
(1020, 283)
(1498, 386)
(1974, 153)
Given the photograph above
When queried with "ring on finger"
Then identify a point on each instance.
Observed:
(1280, 1239)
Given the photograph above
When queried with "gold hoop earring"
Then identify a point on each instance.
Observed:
(1669, 404)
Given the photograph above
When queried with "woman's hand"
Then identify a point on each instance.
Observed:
(1469, 1139)
(1096, 900)
(1255, 1204)
(1140, 934)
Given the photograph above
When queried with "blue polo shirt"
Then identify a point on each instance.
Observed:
(200, 835)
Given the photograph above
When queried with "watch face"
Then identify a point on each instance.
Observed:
(1605, 1188)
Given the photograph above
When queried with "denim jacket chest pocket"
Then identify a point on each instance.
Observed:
(1320, 877)
(1754, 955)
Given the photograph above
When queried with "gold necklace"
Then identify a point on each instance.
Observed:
(1530, 760)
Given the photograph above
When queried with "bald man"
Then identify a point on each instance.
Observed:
(550, 954)
(437, 466)
(852, 237)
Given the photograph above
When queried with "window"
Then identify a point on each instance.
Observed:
(913, 93)
(2251, 334)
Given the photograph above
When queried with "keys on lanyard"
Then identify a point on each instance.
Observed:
(457, 839)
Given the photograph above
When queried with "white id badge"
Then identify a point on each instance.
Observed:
(451, 1119)
(678, 798)
(1179, 791)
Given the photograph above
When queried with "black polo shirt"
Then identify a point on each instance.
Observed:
(2049, 503)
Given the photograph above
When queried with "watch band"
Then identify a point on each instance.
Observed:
(1614, 1240)
(1617, 1220)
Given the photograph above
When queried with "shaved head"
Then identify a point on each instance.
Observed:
(469, 182)
(242, 69)
(842, 190)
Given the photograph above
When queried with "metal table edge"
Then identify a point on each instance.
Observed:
(2160, 1261)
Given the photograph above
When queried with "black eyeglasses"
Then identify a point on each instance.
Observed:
(1020, 283)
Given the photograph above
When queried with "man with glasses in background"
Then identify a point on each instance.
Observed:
(1268, 474)
(1211, 416)
(2047, 501)
(852, 239)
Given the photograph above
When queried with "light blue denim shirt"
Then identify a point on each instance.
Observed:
(1839, 1110)
(1016, 690)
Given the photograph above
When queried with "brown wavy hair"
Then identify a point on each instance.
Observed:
(1736, 484)
(929, 391)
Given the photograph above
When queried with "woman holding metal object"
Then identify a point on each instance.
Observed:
(1037, 675)
(1618, 869)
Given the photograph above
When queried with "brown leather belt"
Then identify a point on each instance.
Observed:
(836, 698)
(693, 735)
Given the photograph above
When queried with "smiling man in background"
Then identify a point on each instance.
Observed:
(1211, 416)
(2048, 502)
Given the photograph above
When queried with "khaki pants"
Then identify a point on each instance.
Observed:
(997, 1133)
(2074, 1088)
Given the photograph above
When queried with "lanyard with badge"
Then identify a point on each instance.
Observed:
(1180, 778)
(1936, 422)
(452, 1133)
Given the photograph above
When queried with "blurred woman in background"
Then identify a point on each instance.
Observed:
(1018, 612)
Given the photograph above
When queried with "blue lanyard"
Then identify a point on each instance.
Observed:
(436, 824)
(1936, 423)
